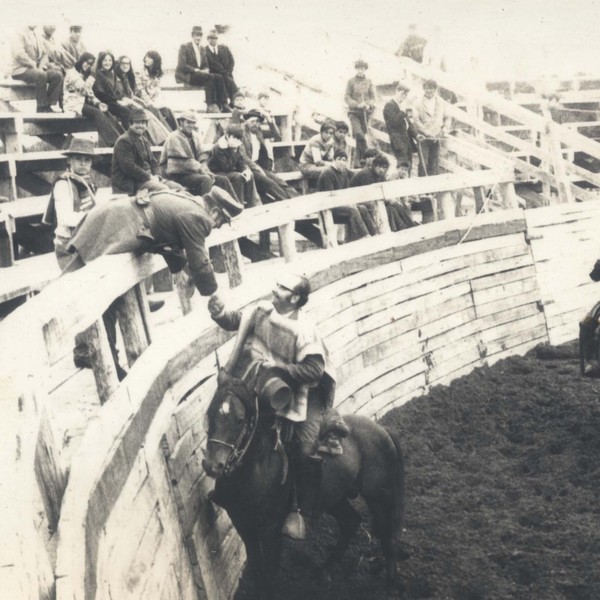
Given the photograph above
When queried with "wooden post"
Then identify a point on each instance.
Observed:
(7, 256)
(381, 217)
(103, 365)
(563, 184)
(133, 322)
(233, 262)
(185, 290)
(509, 196)
(328, 229)
(287, 242)
(446, 206)
(479, 194)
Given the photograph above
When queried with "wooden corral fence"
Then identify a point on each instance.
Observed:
(400, 312)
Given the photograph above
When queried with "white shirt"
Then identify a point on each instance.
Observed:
(197, 53)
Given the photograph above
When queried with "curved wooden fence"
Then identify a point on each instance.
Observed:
(399, 312)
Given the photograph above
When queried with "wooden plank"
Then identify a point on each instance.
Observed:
(133, 322)
(103, 365)
(328, 229)
(287, 242)
(233, 263)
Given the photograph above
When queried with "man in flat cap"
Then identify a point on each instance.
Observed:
(360, 100)
(183, 159)
(134, 166)
(192, 69)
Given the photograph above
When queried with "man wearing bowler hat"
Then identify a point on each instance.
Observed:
(134, 166)
(278, 337)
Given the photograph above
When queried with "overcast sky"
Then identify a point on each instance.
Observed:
(518, 37)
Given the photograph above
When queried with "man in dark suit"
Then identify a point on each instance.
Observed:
(192, 69)
(403, 135)
(220, 62)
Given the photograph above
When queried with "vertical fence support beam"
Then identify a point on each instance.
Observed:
(479, 193)
(328, 229)
(381, 217)
(103, 365)
(185, 289)
(233, 262)
(509, 196)
(133, 322)
(287, 242)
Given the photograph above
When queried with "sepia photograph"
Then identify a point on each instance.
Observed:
(299, 300)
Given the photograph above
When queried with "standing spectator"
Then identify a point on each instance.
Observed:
(79, 98)
(227, 159)
(220, 62)
(73, 47)
(31, 64)
(109, 90)
(413, 45)
(403, 135)
(318, 152)
(360, 100)
(134, 167)
(182, 160)
(192, 69)
(148, 87)
(337, 177)
(399, 215)
(256, 154)
(432, 122)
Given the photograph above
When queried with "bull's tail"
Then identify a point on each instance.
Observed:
(398, 488)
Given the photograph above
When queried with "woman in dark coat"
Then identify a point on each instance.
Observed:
(110, 89)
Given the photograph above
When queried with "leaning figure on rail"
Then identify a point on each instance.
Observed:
(277, 337)
(589, 335)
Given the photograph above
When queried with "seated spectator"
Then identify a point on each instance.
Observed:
(256, 154)
(399, 214)
(337, 177)
(192, 69)
(269, 127)
(360, 100)
(432, 122)
(31, 64)
(52, 49)
(318, 153)
(403, 135)
(182, 160)
(227, 159)
(220, 62)
(110, 90)
(73, 47)
(158, 130)
(79, 98)
(148, 88)
(239, 108)
(340, 135)
(134, 167)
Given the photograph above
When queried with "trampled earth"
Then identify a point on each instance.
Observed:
(502, 494)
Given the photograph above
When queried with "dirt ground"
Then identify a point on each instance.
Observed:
(502, 487)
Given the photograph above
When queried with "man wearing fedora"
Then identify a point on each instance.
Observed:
(165, 222)
(257, 156)
(183, 159)
(220, 62)
(134, 166)
(277, 342)
(192, 69)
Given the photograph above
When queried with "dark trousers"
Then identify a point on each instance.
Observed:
(169, 117)
(214, 87)
(355, 217)
(108, 128)
(123, 114)
(199, 184)
(48, 85)
(230, 86)
(359, 123)
(245, 191)
(269, 187)
(430, 153)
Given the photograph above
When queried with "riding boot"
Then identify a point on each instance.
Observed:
(588, 343)
(307, 471)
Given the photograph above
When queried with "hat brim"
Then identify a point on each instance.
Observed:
(71, 153)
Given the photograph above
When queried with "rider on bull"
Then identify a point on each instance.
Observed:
(276, 339)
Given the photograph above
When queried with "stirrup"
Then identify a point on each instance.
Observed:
(294, 526)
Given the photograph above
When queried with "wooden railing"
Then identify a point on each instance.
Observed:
(39, 334)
